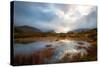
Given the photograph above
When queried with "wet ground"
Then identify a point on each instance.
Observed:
(47, 52)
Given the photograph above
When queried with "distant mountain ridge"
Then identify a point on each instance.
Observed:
(81, 30)
(26, 29)
(30, 29)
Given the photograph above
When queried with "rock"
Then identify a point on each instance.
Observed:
(81, 43)
(49, 45)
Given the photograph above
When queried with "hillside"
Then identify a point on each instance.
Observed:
(25, 34)
(25, 29)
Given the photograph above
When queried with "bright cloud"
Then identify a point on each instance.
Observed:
(56, 17)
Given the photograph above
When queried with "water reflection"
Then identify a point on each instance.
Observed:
(62, 48)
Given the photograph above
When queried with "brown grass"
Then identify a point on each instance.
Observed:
(34, 58)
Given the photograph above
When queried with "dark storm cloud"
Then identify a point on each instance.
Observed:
(57, 17)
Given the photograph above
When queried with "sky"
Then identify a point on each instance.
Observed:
(60, 18)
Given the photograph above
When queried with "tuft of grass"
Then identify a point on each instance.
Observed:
(34, 58)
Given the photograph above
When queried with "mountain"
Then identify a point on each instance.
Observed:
(25, 29)
(81, 30)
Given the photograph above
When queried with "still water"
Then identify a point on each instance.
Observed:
(63, 48)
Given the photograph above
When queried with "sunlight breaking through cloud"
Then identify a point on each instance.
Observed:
(55, 17)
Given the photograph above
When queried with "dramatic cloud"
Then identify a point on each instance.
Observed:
(56, 17)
